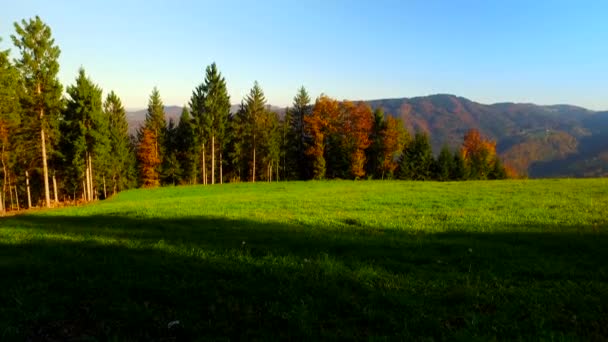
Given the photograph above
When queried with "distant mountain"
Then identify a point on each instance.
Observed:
(541, 141)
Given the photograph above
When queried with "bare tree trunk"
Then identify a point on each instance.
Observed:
(55, 187)
(84, 191)
(105, 195)
(213, 159)
(278, 171)
(10, 191)
(87, 180)
(114, 187)
(204, 167)
(17, 198)
(2, 210)
(45, 169)
(27, 186)
(93, 193)
(270, 171)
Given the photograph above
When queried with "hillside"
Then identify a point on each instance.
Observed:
(541, 141)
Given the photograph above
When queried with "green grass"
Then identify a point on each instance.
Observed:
(314, 260)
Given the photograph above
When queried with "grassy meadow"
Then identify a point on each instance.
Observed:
(313, 260)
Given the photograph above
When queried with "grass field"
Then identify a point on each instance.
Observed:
(314, 260)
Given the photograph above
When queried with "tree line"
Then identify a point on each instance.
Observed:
(57, 147)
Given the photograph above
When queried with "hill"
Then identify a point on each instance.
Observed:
(540, 141)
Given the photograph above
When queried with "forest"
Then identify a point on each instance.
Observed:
(70, 143)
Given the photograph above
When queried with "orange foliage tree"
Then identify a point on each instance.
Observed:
(316, 126)
(357, 128)
(479, 154)
(393, 137)
(148, 158)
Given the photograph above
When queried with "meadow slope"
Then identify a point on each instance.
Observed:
(314, 260)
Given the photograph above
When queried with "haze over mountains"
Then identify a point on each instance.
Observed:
(540, 141)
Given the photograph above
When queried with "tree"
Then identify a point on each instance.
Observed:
(479, 154)
(216, 109)
(121, 155)
(186, 147)
(374, 152)
(39, 66)
(298, 138)
(10, 111)
(148, 158)
(417, 159)
(316, 126)
(357, 128)
(85, 134)
(155, 125)
(393, 138)
(459, 169)
(172, 170)
(255, 109)
(444, 165)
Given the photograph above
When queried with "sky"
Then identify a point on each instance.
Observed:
(544, 52)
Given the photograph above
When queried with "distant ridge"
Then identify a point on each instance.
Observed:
(541, 141)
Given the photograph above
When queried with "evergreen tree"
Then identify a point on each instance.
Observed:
(186, 147)
(444, 164)
(121, 158)
(172, 170)
(498, 170)
(9, 120)
(199, 126)
(155, 125)
(237, 149)
(216, 110)
(298, 140)
(375, 156)
(459, 170)
(41, 99)
(417, 159)
(255, 112)
(85, 131)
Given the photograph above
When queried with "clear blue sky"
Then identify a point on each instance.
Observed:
(537, 51)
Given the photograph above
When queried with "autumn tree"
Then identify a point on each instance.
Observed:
(393, 137)
(316, 126)
(155, 125)
(41, 99)
(357, 128)
(149, 161)
(479, 154)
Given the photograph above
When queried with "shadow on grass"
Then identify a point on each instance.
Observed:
(106, 277)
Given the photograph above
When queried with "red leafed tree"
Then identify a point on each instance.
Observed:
(393, 138)
(148, 158)
(316, 126)
(358, 121)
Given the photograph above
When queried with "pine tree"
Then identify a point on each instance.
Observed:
(444, 164)
(199, 126)
(298, 138)
(459, 170)
(374, 153)
(216, 110)
(121, 161)
(41, 100)
(85, 131)
(255, 109)
(155, 125)
(186, 147)
(417, 159)
(10, 111)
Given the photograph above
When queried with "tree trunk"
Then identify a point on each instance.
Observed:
(87, 184)
(85, 196)
(45, 169)
(17, 198)
(27, 186)
(212, 159)
(114, 183)
(105, 195)
(91, 187)
(204, 167)
(10, 191)
(55, 188)
(2, 204)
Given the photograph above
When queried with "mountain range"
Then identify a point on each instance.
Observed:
(538, 141)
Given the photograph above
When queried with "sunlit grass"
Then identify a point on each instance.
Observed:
(341, 259)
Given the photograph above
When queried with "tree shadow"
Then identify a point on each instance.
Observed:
(114, 276)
